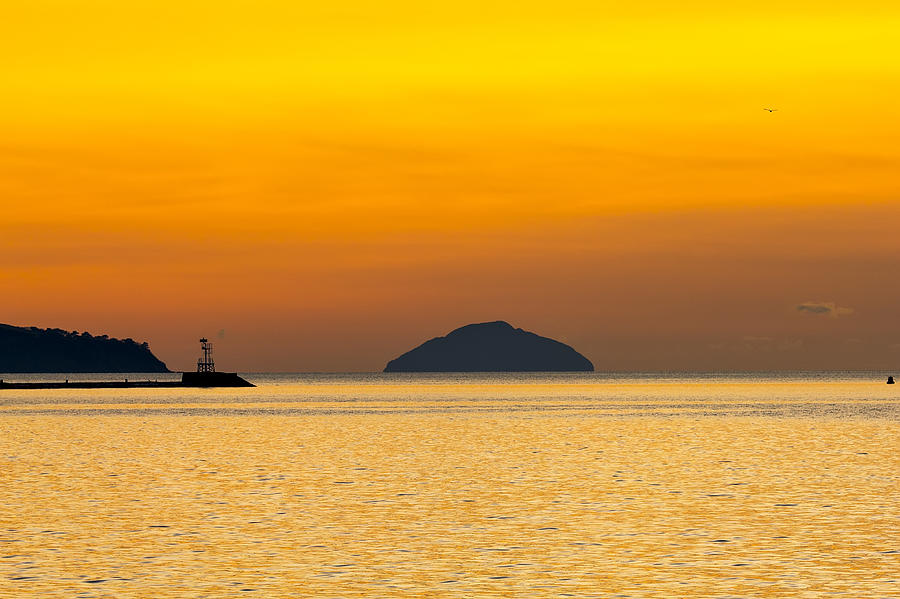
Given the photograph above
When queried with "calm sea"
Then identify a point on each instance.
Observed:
(375, 485)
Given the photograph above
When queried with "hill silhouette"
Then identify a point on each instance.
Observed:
(490, 347)
(30, 349)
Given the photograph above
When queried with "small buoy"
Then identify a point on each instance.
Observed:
(890, 380)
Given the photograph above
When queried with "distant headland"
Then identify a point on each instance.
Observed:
(491, 347)
(31, 349)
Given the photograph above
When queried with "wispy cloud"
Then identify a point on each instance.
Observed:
(824, 309)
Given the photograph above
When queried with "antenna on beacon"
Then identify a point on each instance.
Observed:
(205, 363)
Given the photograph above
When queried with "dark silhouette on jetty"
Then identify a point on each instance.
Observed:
(491, 347)
(126, 384)
(206, 376)
(890, 380)
(31, 349)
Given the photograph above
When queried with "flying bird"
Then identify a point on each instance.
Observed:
(770, 109)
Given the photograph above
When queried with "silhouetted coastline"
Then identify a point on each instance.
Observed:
(36, 350)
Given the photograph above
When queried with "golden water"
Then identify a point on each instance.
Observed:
(380, 486)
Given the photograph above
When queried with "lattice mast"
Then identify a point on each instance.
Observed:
(205, 363)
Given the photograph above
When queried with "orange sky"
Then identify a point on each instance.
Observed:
(330, 186)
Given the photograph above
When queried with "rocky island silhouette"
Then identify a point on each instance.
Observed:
(491, 347)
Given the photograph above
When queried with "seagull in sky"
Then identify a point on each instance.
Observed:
(770, 109)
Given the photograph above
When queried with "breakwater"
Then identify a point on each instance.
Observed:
(188, 379)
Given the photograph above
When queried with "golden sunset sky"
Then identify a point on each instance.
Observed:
(322, 186)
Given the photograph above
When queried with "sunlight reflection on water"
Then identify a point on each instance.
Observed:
(456, 486)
